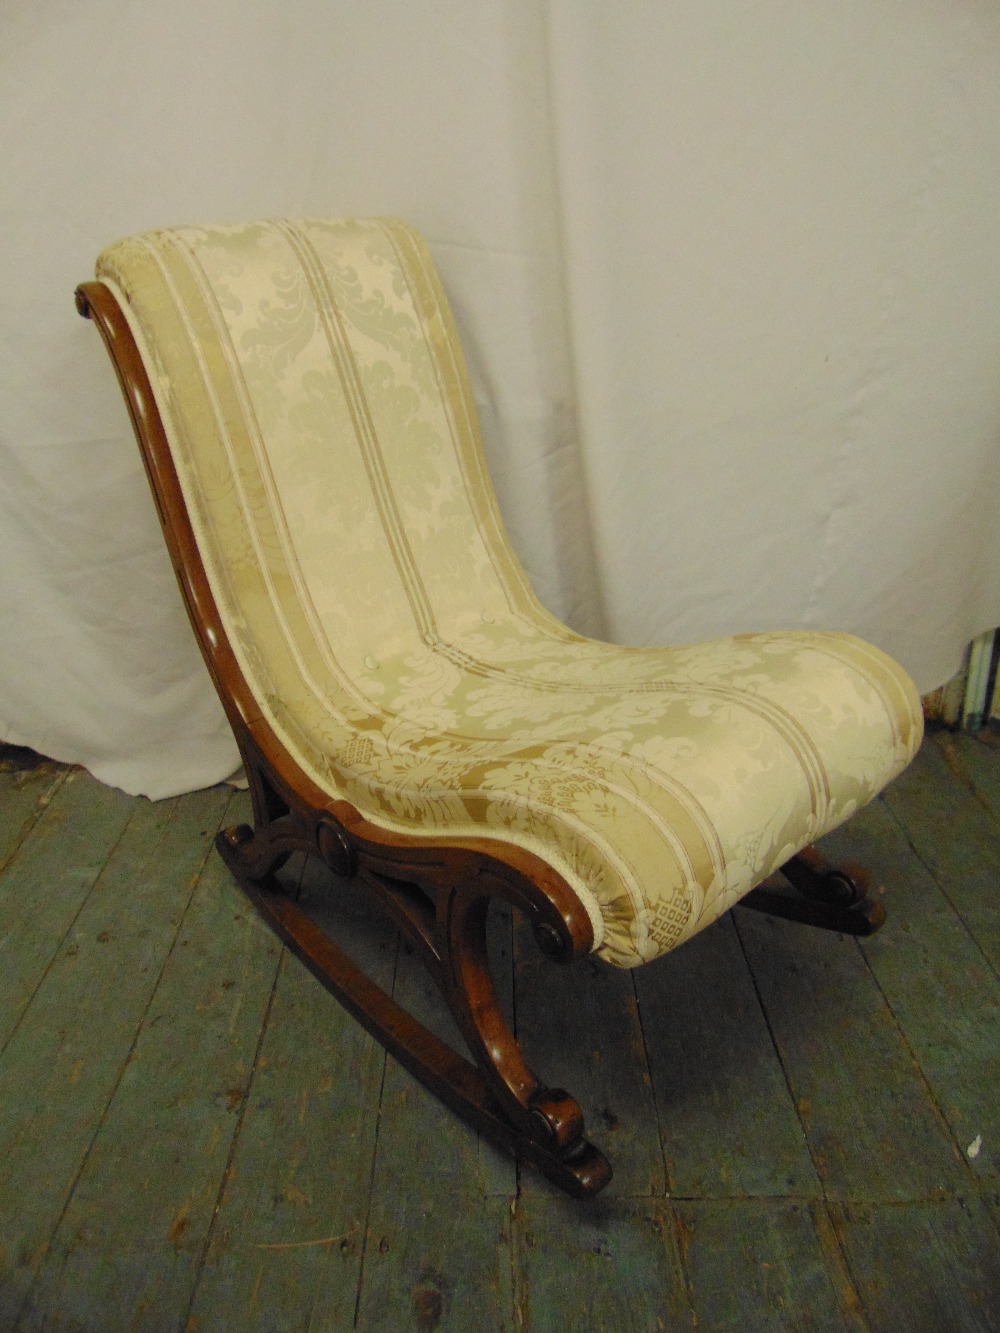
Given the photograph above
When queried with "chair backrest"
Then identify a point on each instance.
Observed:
(321, 423)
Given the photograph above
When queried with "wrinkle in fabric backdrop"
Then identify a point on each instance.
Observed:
(727, 277)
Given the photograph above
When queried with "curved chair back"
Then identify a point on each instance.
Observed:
(321, 424)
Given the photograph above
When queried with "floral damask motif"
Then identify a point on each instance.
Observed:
(321, 421)
(286, 324)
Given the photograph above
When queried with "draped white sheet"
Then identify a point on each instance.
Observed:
(727, 276)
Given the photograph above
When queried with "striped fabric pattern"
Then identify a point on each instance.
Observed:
(319, 413)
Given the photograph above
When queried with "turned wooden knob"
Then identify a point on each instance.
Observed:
(557, 1120)
(550, 941)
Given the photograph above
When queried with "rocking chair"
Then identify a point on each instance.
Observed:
(406, 709)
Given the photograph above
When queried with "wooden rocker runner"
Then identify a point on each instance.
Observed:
(406, 709)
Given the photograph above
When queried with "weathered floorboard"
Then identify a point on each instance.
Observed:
(957, 838)
(129, 1245)
(24, 797)
(437, 1242)
(728, 1121)
(194, 1136)
(64, 1061)
(48, 880)
(579, 1029)
(286, 1243)
(942, 992)
(976, 764)
(871, 1124)
(923, 1267)
(765, 1264)
(611, 1263)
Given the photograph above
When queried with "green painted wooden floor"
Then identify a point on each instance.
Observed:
(193, 1136)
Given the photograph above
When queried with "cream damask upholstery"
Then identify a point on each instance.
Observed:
(316, 402)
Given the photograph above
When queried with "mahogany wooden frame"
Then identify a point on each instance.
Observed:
(437, 892)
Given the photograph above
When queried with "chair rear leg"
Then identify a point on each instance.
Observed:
(830, 897)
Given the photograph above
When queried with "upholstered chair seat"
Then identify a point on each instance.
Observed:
(375, 639)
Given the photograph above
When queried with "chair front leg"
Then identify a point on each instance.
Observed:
(439, 898)
(547, 1123)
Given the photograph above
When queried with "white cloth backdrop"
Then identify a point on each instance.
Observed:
(727, 274)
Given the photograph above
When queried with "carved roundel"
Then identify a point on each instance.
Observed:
(334, 848)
